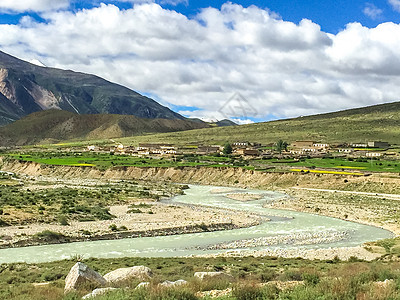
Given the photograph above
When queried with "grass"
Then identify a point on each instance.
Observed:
(103, 161)
(332, 279)
(370, 123)
(326, 172)
(363, 164)
(35, 203)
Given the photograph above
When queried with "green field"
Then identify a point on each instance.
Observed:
(339, 164)
(105, 161)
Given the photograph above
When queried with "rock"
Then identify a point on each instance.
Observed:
(214, 293)
(170, 284)
(125, 274)
(384, 284)
(284, 285)
(40, 284)
(142, 285)
(80, 274)
(98, 292)
(214, 275)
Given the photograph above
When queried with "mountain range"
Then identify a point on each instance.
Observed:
(26, 88)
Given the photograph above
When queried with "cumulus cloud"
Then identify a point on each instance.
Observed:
(395, 4)
(371, 11)
(32, 5)
(280, 68)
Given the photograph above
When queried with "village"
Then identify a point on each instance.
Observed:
(281, 150)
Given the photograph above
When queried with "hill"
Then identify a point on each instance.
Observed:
(27, 88)
(52, 126)
(378, 122)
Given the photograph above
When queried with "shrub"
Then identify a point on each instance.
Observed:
(113, 227)
(247, 292)
(50, 236)
(3, 223)
(311, 279)
(267, 275)
(134, 211)
(63, 221)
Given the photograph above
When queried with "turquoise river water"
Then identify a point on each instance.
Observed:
(281, 224)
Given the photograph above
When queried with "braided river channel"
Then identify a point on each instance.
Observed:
(279, 229)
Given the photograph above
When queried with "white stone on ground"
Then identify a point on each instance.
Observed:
(125, 274)
(79, 275)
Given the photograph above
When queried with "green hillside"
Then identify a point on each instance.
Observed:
(378, 122)
(52, 126)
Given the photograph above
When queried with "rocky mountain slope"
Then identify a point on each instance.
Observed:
(26, 88)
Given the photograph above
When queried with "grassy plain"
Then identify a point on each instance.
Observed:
(256, 278)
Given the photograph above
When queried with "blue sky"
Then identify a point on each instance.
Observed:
(284, 58)
(332, 16)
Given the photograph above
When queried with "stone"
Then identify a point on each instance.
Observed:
(143, 285)
(125, 274)
(214, 275)
(98, 292)
(215, 293)
(79, 275)
(169, 284)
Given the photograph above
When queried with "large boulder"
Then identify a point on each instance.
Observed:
(81, 275)
(98, 292)
(214, 275)
(125, 274)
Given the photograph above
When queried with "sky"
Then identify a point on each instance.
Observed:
(249, 61)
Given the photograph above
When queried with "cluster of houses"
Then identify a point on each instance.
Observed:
(358, 149)
(247, 149)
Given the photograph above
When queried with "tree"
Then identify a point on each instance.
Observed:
(281, 145)
(227, 149)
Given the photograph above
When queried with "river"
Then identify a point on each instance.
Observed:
(286, 229)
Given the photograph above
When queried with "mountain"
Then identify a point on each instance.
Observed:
(225, 122)
(51, 126)
(26, 88)
(378, 122)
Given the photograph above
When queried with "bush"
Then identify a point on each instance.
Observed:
(113, 227)
(267, 275)
(63, 221)
(247, 292)
(50, 236)
(311, 279)
(3, 223)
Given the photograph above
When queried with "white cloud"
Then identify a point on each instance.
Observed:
(370, 10)
(32, 5)
(242, 122)
(395, 4)
(280, 68)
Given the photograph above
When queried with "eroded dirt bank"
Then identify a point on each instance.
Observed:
(377, 183)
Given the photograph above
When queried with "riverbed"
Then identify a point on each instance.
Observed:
(279, 230)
